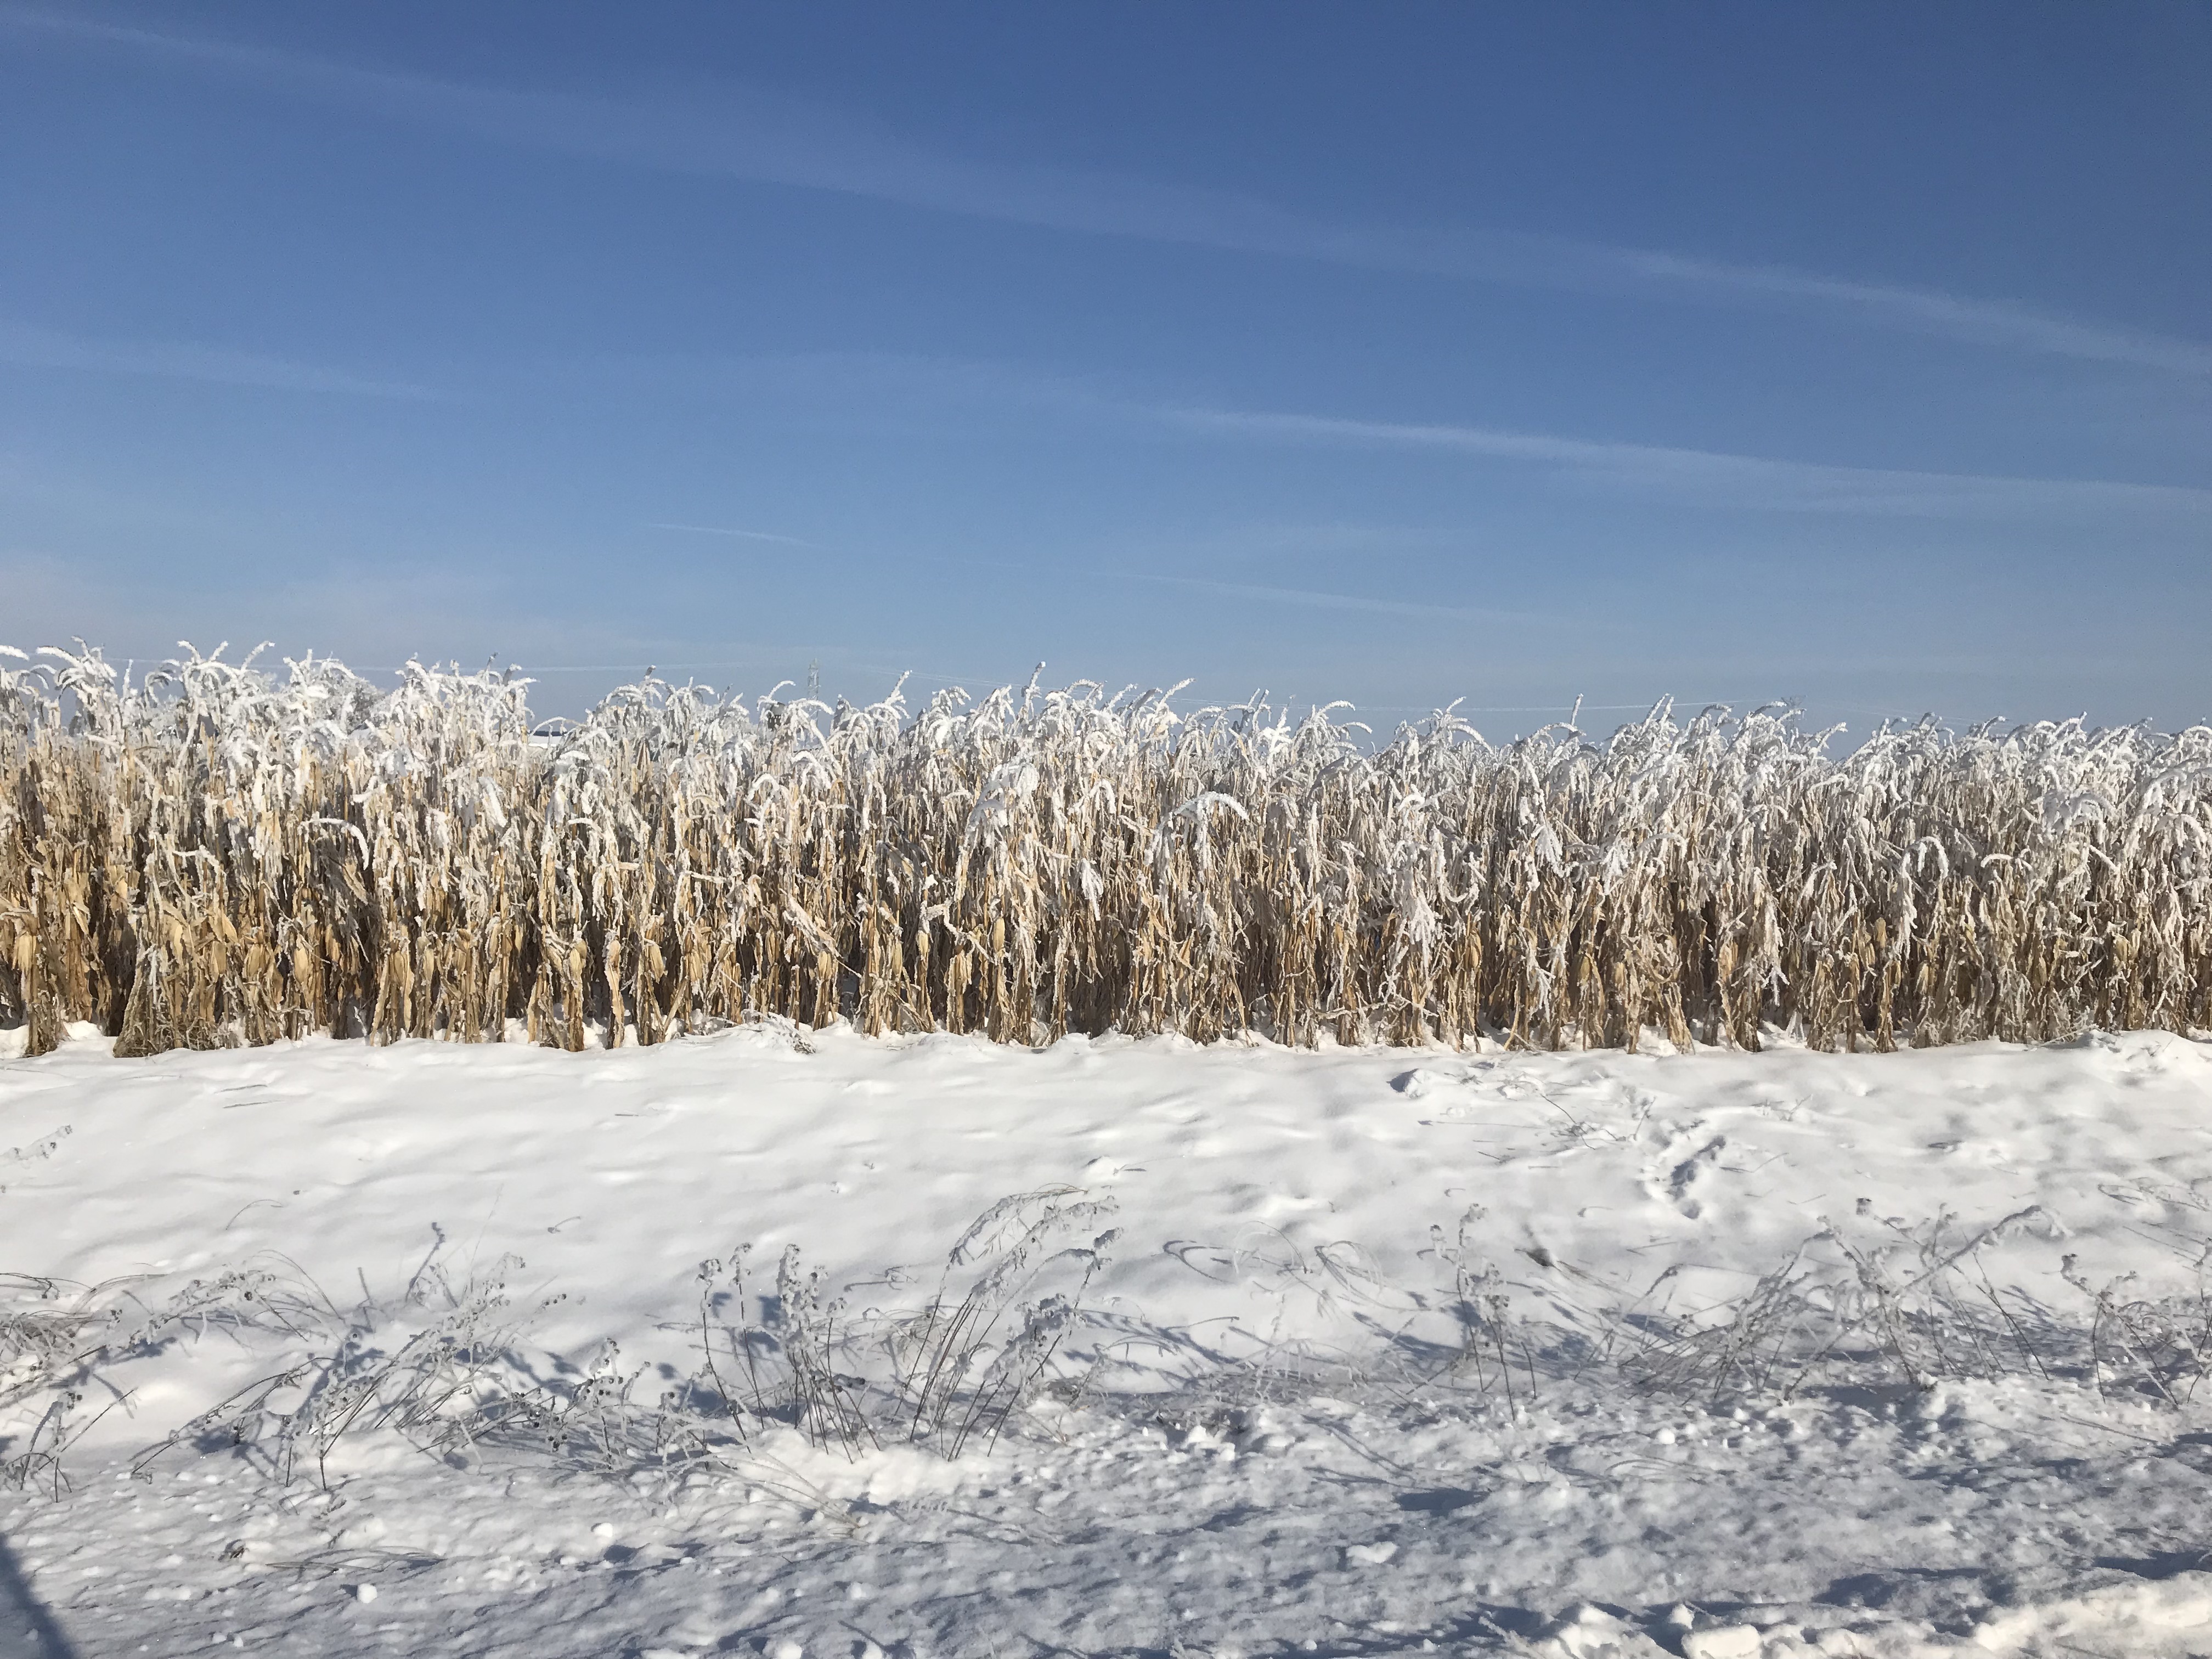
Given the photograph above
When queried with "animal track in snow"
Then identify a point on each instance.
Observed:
(1687, 1172)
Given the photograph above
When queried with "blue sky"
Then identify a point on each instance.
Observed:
(1855, 355)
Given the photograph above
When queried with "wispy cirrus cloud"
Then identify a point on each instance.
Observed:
(1742, 481)
(1931, 310)
(948, 394)
(40, 348)
(734, 534)
(1315, 599)
(765, 138)
(945, 394)
(1303, 599)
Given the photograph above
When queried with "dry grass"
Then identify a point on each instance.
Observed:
(221, 854)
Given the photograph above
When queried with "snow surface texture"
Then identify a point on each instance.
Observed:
(1294, 1435)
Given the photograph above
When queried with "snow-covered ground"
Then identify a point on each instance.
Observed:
(1395, 1351)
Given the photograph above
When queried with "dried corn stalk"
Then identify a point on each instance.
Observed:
(221, 854)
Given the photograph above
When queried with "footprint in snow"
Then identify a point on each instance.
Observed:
(1686, 1175)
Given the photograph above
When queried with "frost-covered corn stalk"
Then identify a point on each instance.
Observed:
(221, 853)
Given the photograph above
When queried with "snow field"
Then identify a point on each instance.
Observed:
(1291, 1437)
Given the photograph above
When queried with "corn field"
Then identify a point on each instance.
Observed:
(221, 854)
